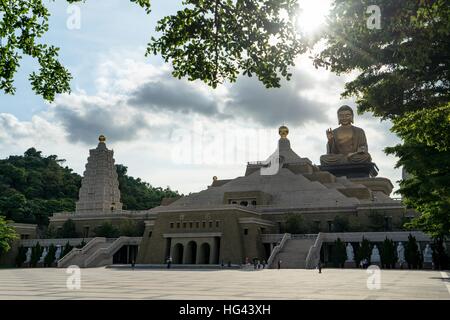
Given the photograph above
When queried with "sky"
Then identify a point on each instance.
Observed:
(170, 132)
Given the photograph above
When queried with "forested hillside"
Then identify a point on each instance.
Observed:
(33, 186)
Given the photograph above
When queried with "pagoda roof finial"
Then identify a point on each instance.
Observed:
(102, 138)
(283, 131)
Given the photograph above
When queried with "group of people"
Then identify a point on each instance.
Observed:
(364, 263)
(169, 262)
(257, 264)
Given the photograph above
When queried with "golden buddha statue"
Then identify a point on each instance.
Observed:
(346, 144)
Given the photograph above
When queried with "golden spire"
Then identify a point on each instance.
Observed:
(102, 138)
(283, 131)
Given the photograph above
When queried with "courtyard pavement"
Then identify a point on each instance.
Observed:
(123, 283)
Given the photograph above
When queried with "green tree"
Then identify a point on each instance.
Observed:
(208, 40)
(66, 250)
(296, 224)
(13, 204)
(23, 23)
(21, 256)
(341, 224)
(36, 253)
(376, 221)
(50, 257)
(215, 40)
(403, 65)
(412, 255)
(139, 195)
(339, 253)
(81, 245)
(440, 256)
(130, 228)
(68, 230)
(425, 154)
(402, 76)
(42, 187)
(33, 187)
(363, 251)
(51, 233)
(7, 235)
(388, 256)
(107, 230)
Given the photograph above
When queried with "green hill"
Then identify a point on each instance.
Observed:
(33, 186)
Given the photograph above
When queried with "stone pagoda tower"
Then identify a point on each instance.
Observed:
(99, 192)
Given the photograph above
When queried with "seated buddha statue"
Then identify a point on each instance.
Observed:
(346, 144)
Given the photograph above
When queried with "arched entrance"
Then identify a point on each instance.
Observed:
(191, 253)
(178, 253)
(205, 251)
(125, 255)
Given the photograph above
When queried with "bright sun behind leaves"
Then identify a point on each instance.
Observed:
(312, 15)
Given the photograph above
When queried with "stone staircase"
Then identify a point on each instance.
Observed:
(78, 257)
(104, 255)
(294, 252)
(97, 252)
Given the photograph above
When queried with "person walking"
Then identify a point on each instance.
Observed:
(279, 264)
(319, 266)
(132, 264)
(169, 262)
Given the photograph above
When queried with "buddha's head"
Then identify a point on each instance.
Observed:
(345, 115)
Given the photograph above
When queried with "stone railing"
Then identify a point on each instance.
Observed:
(111, 250)
(64, 261)
(118, 213)
(304, 236)
(257, 163)
(376, 236)
(57, 242)
(271, 237)
(314, 253)
(277, 249)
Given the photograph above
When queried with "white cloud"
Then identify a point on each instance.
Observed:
(148, 117)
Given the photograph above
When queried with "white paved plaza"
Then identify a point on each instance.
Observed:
(110, 283)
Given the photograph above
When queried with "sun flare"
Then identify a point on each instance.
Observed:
(312, 15)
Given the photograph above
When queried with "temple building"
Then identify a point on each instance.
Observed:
(237, 220)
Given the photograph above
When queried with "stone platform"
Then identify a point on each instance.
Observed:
(105, 283)
(352, 170)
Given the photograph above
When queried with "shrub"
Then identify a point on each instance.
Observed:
(107, 230)
(68, 230)
(50, 233)
(81, 245)
(50, 258)
(341, 224)
(36, 254)
(388, 257)
(66, 250)
(412, 254)
(363, 251)
(130, 228)
(295, 224)
(376, 221)
(440, 257)
(21, 256)
(339, 253)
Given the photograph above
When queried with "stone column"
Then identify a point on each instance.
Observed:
(197, 260)
(213, 251)
(185, 252)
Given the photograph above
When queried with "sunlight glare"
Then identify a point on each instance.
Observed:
(312, 15)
